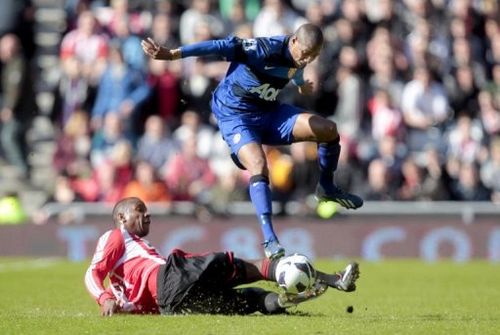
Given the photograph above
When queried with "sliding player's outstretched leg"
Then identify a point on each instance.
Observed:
(286, 300)
(344, 280)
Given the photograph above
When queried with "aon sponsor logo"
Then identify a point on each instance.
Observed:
(266, 92)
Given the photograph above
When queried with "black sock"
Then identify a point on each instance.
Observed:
(271, 304)
(329, 279)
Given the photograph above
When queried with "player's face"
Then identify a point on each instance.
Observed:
(138, 219)
(301, 54)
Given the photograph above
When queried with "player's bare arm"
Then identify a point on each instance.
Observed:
(156, 51)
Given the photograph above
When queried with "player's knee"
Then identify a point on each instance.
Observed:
(258, 166)
(330, 132)
(325, 130)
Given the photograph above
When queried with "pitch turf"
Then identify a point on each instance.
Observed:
(393, 297)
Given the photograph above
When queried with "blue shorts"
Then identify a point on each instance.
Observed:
(272, 127)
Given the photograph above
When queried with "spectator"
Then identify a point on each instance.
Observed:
(490, 170)
(130, 44)
(305, 169)
(386, 119)
(229, 188)
(462, 56)
(493, 52)
(220, 156)
(348, 112)
(379, 185)
(385, 58)
(110, 17)
(156, 146)
(433, 186)
(110, 177)
(489, 113)
(72, 93)
(464, 139)
(63, 194)
(73, 147)
(162, 30)
(16, 108)
(276, 18)
(354, 13)
(238, 11)
(191, 184)
(349, 175)
(199, 11)
(191, 123)
(121, 90)
(146, 185)
(105, 139)
(86, 45)
(280, 175)
(163, 78)
(413, 177)
(463, 90)
(17, 17)
(425, 108)
(393, 154)
(468, 186)
(493, 86)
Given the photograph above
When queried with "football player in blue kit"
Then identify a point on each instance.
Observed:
(249, 115)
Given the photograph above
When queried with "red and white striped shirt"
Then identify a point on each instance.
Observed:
(132, 265)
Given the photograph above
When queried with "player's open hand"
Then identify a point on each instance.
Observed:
(156, 51)
(109, 307)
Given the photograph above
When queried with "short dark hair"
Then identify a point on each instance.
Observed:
(309, 35)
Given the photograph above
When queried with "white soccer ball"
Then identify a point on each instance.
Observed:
(295, 273)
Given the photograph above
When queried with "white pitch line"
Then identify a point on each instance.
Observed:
(29, 264)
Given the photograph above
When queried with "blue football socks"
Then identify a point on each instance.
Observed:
(328, 158)
(260, 194)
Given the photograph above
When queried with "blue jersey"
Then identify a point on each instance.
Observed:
(259, 69)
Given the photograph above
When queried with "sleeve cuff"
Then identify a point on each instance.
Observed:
(103, 297)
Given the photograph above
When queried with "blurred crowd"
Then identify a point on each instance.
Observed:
(414, 86)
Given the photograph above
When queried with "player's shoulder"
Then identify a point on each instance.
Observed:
(112, 235)
(265, 46)
(272, 42)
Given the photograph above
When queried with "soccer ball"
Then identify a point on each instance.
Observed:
(295, 273)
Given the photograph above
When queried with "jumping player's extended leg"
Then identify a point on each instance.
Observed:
(253, 158)
(309, 127)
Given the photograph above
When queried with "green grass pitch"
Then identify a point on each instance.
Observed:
(393, 297)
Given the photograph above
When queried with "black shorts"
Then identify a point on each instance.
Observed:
(205, 284)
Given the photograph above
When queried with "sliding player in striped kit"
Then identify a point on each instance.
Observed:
(249, 114)
(142, 281)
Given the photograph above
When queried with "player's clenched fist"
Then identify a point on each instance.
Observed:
(155, 51)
